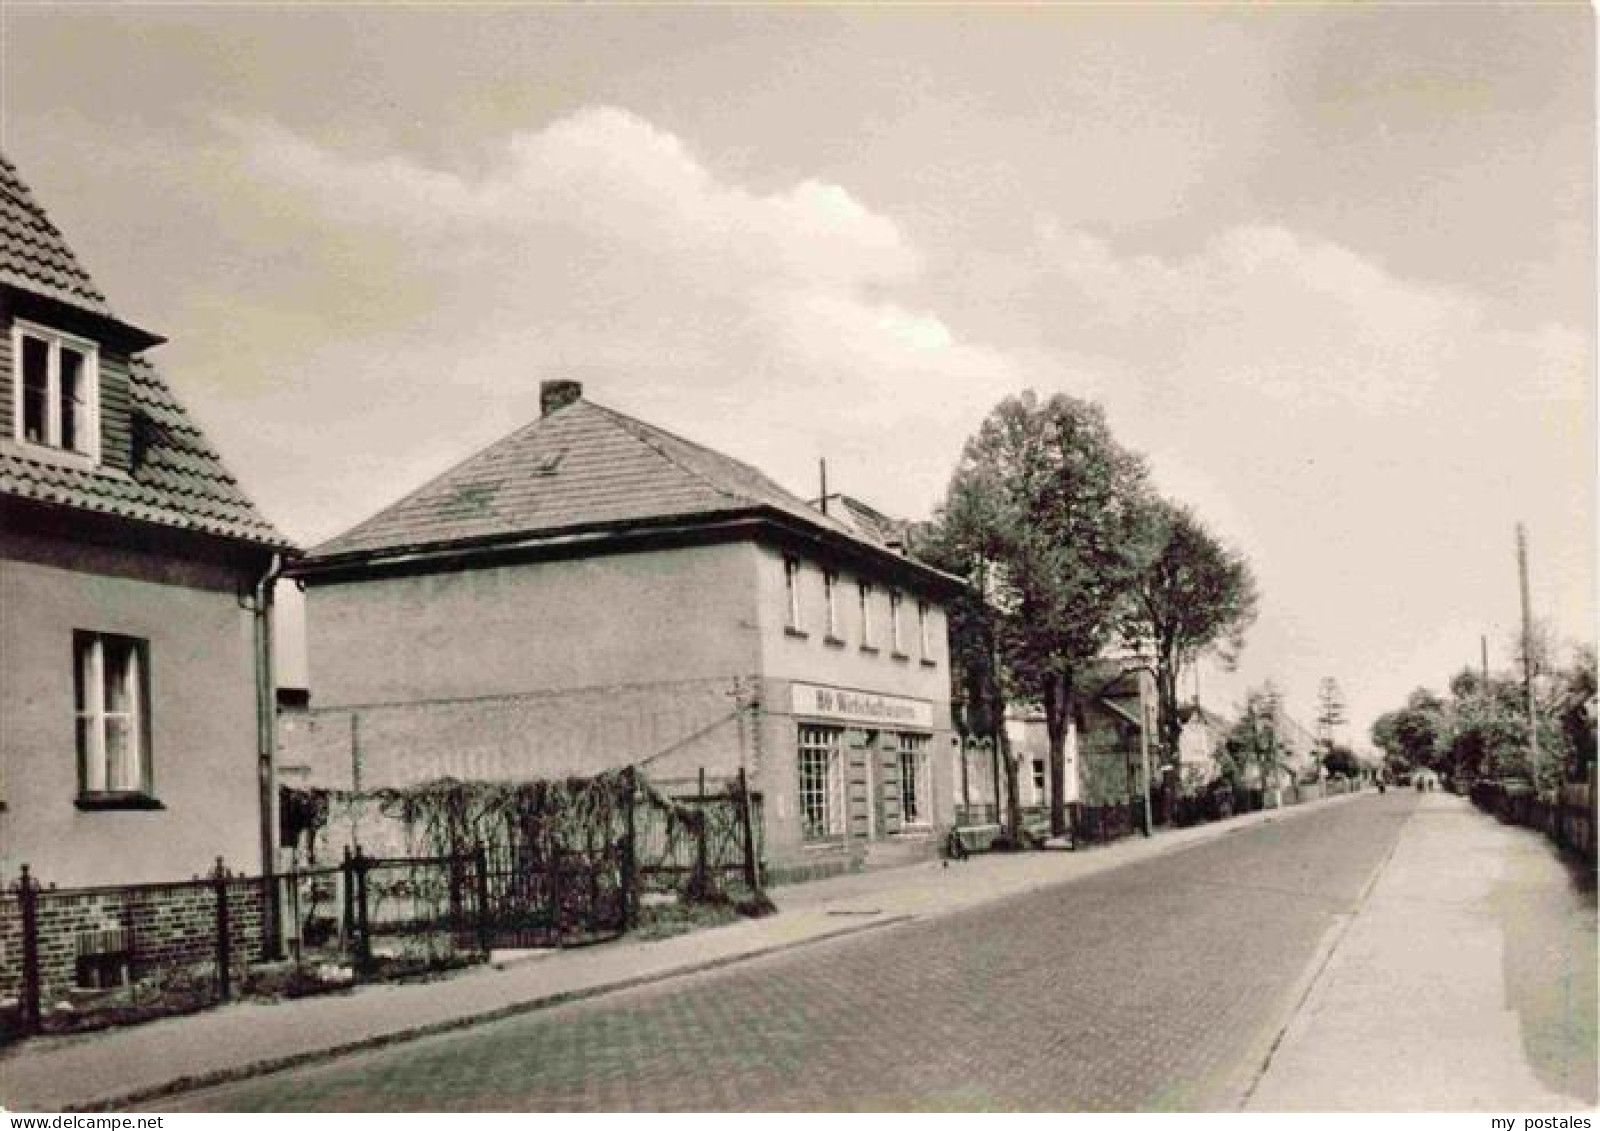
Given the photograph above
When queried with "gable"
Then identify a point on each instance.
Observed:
(150, 461)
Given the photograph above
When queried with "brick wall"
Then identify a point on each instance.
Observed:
(168, 924)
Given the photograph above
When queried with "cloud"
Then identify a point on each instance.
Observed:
(602, 173)
(773, 325)
(1368, 439)
(1304, 322)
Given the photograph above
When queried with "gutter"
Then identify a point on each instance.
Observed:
(266, 750)
(611, 537)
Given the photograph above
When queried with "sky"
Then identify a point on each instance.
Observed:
(1331, 270)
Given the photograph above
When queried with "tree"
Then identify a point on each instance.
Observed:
(1195, 596)
(1330, 712)
(1058, 512)
(1487, 732)
(1414, 735)
(1253, 748)
(975, 667)
(1575, 704)
(1481, 730)
(1341, 761)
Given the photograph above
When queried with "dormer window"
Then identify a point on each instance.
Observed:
(56, 388)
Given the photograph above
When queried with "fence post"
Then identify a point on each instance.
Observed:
(555, 884)
(480, 872)
(28, 905)
(363, 924)
(456, 880)
(630, 863)
(293, 929)
(219, 883)
(347, 912)
(752, 878)
(699, 881)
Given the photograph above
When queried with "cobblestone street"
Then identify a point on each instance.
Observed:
(1159, 985)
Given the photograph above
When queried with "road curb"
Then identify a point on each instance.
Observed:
(1158, 846)
(1306, 987)
(267, 1066)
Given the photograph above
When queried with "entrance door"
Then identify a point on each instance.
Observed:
(887, 795)
(878, 756)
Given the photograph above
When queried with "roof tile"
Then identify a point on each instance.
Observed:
(179, 480)
(581, 466)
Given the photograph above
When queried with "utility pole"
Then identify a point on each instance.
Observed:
(1527, 656)
(1483, 646)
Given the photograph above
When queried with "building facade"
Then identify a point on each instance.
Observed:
(593, 592)
(131, 563)
(1106, 758)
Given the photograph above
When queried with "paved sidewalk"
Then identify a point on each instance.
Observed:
(115, 1067)
(1465, 982)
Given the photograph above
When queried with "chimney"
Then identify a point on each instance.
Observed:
(558, 394)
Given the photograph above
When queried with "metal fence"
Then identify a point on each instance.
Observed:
(79, 945)
(189, 944)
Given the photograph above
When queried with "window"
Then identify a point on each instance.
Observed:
(923, 643)
(56, 384)
(865, 592)
(1038, 776)
(113, 695)
(915, 793)
(791, 592)
(821, 782)
(830, 588)
(895, 643)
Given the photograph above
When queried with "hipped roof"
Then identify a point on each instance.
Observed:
(584, 467)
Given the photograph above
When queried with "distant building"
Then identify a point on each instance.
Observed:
(1104, 762)
(869, 523)
(130, 693)
(593, 592)
(1201, 740)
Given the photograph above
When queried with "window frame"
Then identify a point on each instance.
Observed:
(97, 788)
(864, 594)
(830, 602)
(791, 592)
(54, 340)
(896, 637)
(815, 743)
(925, 651)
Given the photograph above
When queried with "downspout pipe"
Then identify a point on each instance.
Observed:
(266, 753)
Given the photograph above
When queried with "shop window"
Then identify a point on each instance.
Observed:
(821, 783)
(916, 794)
(112, 691)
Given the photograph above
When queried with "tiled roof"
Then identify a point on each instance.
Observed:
(872, 524)
(581, 466)
(177, 479)
(33, 254)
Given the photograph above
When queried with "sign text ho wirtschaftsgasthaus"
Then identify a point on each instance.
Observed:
(862, 707)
